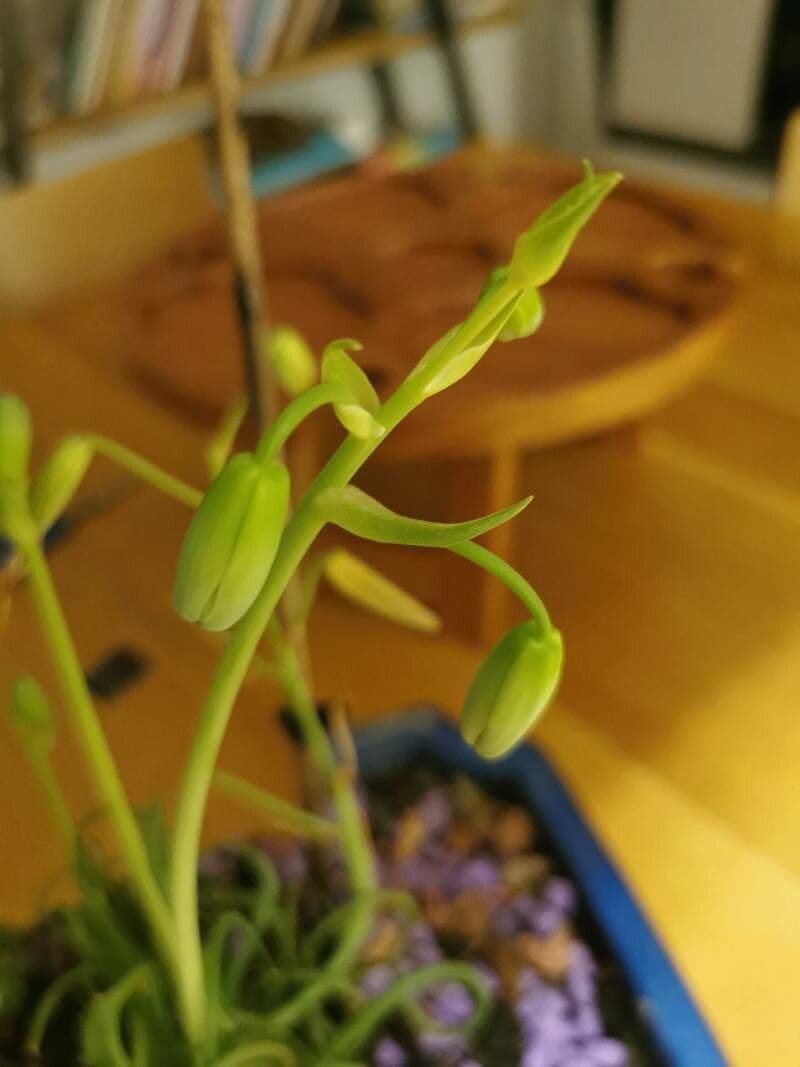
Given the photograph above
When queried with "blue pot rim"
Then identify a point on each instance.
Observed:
(677, 1029)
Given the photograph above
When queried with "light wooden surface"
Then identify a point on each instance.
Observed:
(669, 556)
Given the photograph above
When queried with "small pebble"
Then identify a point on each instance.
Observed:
(511, 832)
(606, 1052)
(388, 1053)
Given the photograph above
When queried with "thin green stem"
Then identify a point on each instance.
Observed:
(294, 414)
(259, 1052)
(511, 579)
(146, 471)
(352, 1037)
(59, 812)
(221, 444)
(232, 669)
(284, 1018)
(100, 763)
(276, 811)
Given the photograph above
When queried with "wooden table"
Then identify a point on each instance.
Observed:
(670, 558)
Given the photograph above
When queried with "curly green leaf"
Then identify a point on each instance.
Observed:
(359, 514)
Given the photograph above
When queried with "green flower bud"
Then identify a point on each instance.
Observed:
(58, 478)
(512, 688)
(528, 312)
(15, 437)
(15, 518)
(541, 250)
(357, 581)
(291, 359)
(231, 542)
(357, 414)
(31, 715)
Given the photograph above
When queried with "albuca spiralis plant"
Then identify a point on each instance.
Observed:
(155, 972)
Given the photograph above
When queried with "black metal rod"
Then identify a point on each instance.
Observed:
(444, 31)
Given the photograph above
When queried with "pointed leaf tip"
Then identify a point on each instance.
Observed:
(358, 513)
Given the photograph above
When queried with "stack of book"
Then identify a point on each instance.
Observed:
(88, 55)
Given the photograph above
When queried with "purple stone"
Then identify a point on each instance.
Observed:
(451, 1005)
(587, 1021)
(560, 894)
(444, 1047)
(377, 979)
(388, 1053)
(478, 873)
(435, 812)
(606, 1052)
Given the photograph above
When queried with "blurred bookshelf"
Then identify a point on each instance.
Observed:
(102, 104)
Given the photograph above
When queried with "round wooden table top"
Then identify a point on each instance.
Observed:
(639, 309)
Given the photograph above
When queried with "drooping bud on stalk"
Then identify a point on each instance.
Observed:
(57, 480)
(512, 688)
(231, 542)
(290, 359)
(31, 715)
(15, 438)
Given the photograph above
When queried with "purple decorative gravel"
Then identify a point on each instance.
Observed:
(559, 1019)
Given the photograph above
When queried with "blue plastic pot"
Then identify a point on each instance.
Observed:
(677, 1030)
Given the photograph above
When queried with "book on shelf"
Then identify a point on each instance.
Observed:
(86, 56)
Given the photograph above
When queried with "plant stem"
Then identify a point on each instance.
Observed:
(358, 1030)
(510, 578)
(146, 471)
(45, 775)
(243, 641)
(101, 766)
(278, 812)
(259, 1052)
(294, 414)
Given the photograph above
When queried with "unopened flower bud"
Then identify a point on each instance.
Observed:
(291, 359)
(371, 590)
(57, 480)
(31, 715)
(540, 251)
(512, 688)
(231, 542)
(15, 437)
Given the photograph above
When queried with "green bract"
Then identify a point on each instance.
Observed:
(355, 511)
(30, 714)
(57, 479)
(541, 250)
(339, 369)
(291, 359)
(231, 542)
(15, 438)
(511, 689)
(528, 313)
(371, 590)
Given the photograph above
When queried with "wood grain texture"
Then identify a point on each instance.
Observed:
(396, 262)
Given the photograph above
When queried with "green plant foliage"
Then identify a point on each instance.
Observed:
(168, 968)
(512, 688)
(16, 435)
(231, 542)
(359, 514)
(57, 480)
(357, 415)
